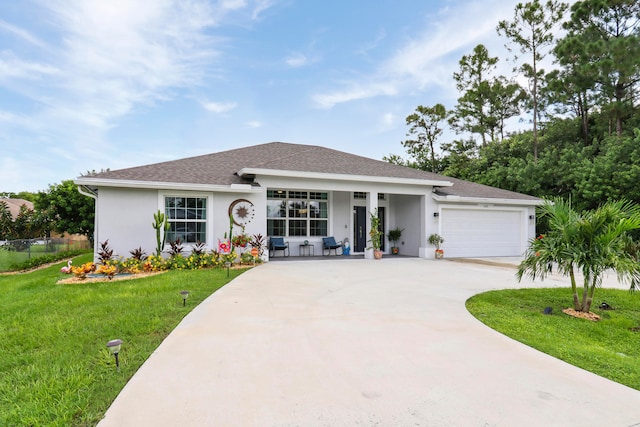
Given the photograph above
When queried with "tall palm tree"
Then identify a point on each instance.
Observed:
(591, 242)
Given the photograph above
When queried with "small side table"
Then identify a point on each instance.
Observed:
(311, 249)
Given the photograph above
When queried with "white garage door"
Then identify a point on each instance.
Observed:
(481, 232)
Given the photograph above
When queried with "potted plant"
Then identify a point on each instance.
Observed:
(394, 236)
(437, 240)
(376, 235)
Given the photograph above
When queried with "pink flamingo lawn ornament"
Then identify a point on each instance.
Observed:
(67, 269)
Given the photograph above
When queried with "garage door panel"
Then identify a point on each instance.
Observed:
(481, 232)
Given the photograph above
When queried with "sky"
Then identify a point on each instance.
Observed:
(89, 85)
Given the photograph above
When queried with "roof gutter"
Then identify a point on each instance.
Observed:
(86, 191)
(485, 200)
(342, 177)
(155, 185)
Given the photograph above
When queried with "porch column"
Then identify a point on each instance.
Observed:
(423, 250)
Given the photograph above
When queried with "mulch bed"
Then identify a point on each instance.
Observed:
(75, 280)
(581, 314)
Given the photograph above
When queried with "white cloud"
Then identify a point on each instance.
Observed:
(261, 6)
(388, 121)
(219, 107)
(21, 33)
(426, 59)
(233, 4)
(254, 124)
(112, 57)
(353, 92)
(13, 67)
(296, 60)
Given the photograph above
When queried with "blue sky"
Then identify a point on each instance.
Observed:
(111, 84)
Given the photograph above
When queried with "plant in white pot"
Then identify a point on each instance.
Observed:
(436, 240)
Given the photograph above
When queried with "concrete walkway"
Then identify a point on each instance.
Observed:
(361, 343)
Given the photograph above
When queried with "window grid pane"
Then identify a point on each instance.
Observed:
(276, 227)
(276, 209)
(318, 228)
(187, 218)
(297, 213)
(297, 227)
(276, 194)
(297, 194)
(318, 210)
(297, 209)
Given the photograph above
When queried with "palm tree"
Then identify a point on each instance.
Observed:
(591, 242)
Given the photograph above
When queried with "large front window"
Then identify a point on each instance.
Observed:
(187, 218)
(297, 213)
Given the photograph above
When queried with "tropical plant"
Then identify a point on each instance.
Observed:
(590, 242)
(107, 270)
(138, 254)
(161, 224)
(394, 236)
(241, 240)
(105, 253)
(199, 248)
(258, 241)
(82, 271)
(436, 240)
(374, 232)
(175, 247)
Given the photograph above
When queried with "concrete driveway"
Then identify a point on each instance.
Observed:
(361, 343)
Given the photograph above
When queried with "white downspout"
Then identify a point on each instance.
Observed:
(86, 191)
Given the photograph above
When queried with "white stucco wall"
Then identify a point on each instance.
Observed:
(125, 217)
(406, 215)
(341, 221)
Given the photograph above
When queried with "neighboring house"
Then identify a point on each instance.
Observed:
(15, 204)
(304, 193)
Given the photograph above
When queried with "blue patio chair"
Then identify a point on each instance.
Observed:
(278, 244)
(330, 243)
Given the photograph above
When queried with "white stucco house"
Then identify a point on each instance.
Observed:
(304, 193)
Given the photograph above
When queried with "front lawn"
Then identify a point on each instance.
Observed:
(55, 368)
(609, 348)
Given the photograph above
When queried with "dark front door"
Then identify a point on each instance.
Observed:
(382, 229)
(359, 228)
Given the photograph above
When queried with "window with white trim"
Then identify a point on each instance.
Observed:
(297, 213)
(187, 218)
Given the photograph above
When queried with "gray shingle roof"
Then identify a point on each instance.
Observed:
(221, 169)
(15, 204)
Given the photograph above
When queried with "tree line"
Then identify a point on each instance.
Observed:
(61, 208)
(583, 142)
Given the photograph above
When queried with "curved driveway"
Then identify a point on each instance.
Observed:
(360, 343)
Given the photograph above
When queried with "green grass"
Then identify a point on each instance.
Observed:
(609, 348)
(12, 260)
(55, 369)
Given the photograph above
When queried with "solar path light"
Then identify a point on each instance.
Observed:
(114, 347)
(185, 295)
